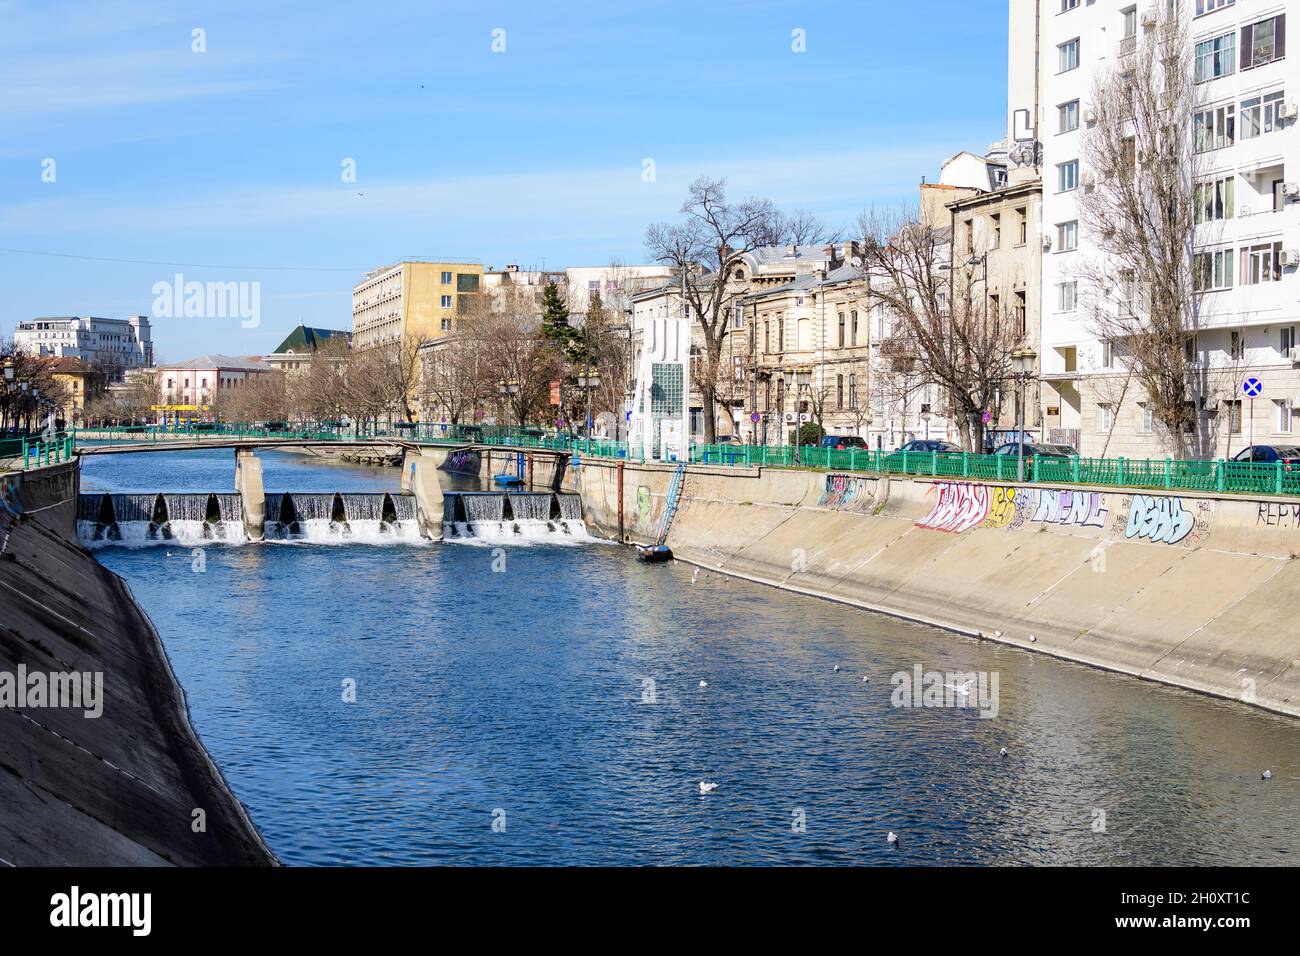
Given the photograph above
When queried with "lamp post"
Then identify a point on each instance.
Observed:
(588, 381)
(508, 390)
(802, 382)
(1022, 360)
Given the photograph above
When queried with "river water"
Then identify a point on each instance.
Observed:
(542, 705)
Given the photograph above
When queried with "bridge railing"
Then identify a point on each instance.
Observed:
(38, 452)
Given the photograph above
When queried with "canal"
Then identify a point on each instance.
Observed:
(543, 705)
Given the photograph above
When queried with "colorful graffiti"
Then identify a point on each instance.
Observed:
(642, 506)
(462, 462)
(961, 506)
(847, 493)
(1158, 519)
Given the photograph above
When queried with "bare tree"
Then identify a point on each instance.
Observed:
(515, 352)
(1138, 209)
(940, 333)
(704, 251)
(804, 228)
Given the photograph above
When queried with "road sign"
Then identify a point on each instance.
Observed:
(1252, 387)
(755, 417)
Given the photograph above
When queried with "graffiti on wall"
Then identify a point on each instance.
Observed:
(11, 507)
(642, 506)
(960, 506)
(847, 493)
(1162, 520)
(1275, 514)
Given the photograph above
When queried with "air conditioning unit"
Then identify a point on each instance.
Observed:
(1089, 115)
(789, 416)
(1290, 257)
(1150, 18)
(1291, 190)
(1293, 353)
(1287, 111)
(1088, 180)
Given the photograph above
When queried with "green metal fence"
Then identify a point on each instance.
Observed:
(37, 453)
(1208, 476)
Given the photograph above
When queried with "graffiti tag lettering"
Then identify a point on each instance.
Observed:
(1158, 519)
(847, 493)
(1274, 514)
(960, 506)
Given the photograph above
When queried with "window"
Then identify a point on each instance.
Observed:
(446, 325)
(1019, 308)
(446, 278)
(738, 319)
(1212, 270)
(1067, 115)
(1128, 42)
(1236, 346)
(446, 302)
(1107, 354)
(1214, 200)
(1067, 296)
(1286, 340)
(853, 390)
(1234, 416)
(841, 330)
(1067, 176)
(1068, 56)
(1259, 114)
(1261, 263)
(1103, 417)
(839, 391)
(1214, 128)
(1263, 42)
(1216, 57)
(1067, 236)
(853, 326)
(1148, 419)
(1068, 5)
(1283, 407)
(1022, 226)
(970, 235)
(995, 231)
(1209, 6)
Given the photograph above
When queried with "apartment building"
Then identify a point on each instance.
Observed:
(615, 284)
(413, 300)
(187, 389)
(1247, 173)
(113, 344)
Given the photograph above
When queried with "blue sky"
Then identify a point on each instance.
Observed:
(230, 160)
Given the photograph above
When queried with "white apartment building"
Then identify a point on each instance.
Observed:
(113, 343)
(615, 283)
(1248, 165)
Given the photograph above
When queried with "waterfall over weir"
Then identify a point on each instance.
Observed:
(139, 520)
(495, 518)
(380, 518)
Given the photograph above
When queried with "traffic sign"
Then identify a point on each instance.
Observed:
(1252, 387)
(755, 417)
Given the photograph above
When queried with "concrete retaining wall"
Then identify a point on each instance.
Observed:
(1192, 590)
(122, 788)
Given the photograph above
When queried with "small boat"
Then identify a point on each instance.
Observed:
(654, 553)
(508, 481)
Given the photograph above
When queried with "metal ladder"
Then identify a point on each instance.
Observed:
(670, 502)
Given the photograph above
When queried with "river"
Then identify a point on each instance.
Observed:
(543, 705)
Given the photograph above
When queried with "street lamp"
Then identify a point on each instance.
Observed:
(802, 382)
(1022, 360)
(508, 390)
(588, 381)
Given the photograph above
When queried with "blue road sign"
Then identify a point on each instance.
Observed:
(1252, 387)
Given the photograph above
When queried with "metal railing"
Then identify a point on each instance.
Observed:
(37, 452)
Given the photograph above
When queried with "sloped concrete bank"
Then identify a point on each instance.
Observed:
(133, 786)
(1195, 591)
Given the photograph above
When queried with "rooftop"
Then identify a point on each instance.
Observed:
(237, 363)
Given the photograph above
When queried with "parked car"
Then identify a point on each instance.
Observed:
(1037, 450)
(1289, 455)
(931, 444)
(726, 440)
(843, 442)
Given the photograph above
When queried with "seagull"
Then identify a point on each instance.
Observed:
(1003, 752)
(998, 635)
(864, 678)
(1032, 639)
(837, 668)
(1266, 775)
(704, 683)
(892, 838)
(707, 787)
(696, 576)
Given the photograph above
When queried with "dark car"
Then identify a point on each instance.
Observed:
(931, 444)
(843, 442)
(1037, 450)
(1289, 455)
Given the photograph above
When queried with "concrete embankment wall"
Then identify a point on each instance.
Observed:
(123, 788)
(1192, 590)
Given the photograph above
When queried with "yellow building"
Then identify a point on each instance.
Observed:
(75, 384)
(413, 300)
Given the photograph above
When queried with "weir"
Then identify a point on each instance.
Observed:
(513, 517)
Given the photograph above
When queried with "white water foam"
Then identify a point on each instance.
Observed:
(184, 534)
(357, 531)
(523, 532)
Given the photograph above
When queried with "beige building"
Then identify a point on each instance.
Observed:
(412, 300)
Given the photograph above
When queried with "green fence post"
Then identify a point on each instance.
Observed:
(1169, 473)
(1075, 459)
(965, 464)
(1221, 477)
(1034, 470)
(934, 464)
(906, 469)
(1121, 477)
(1277, 477)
